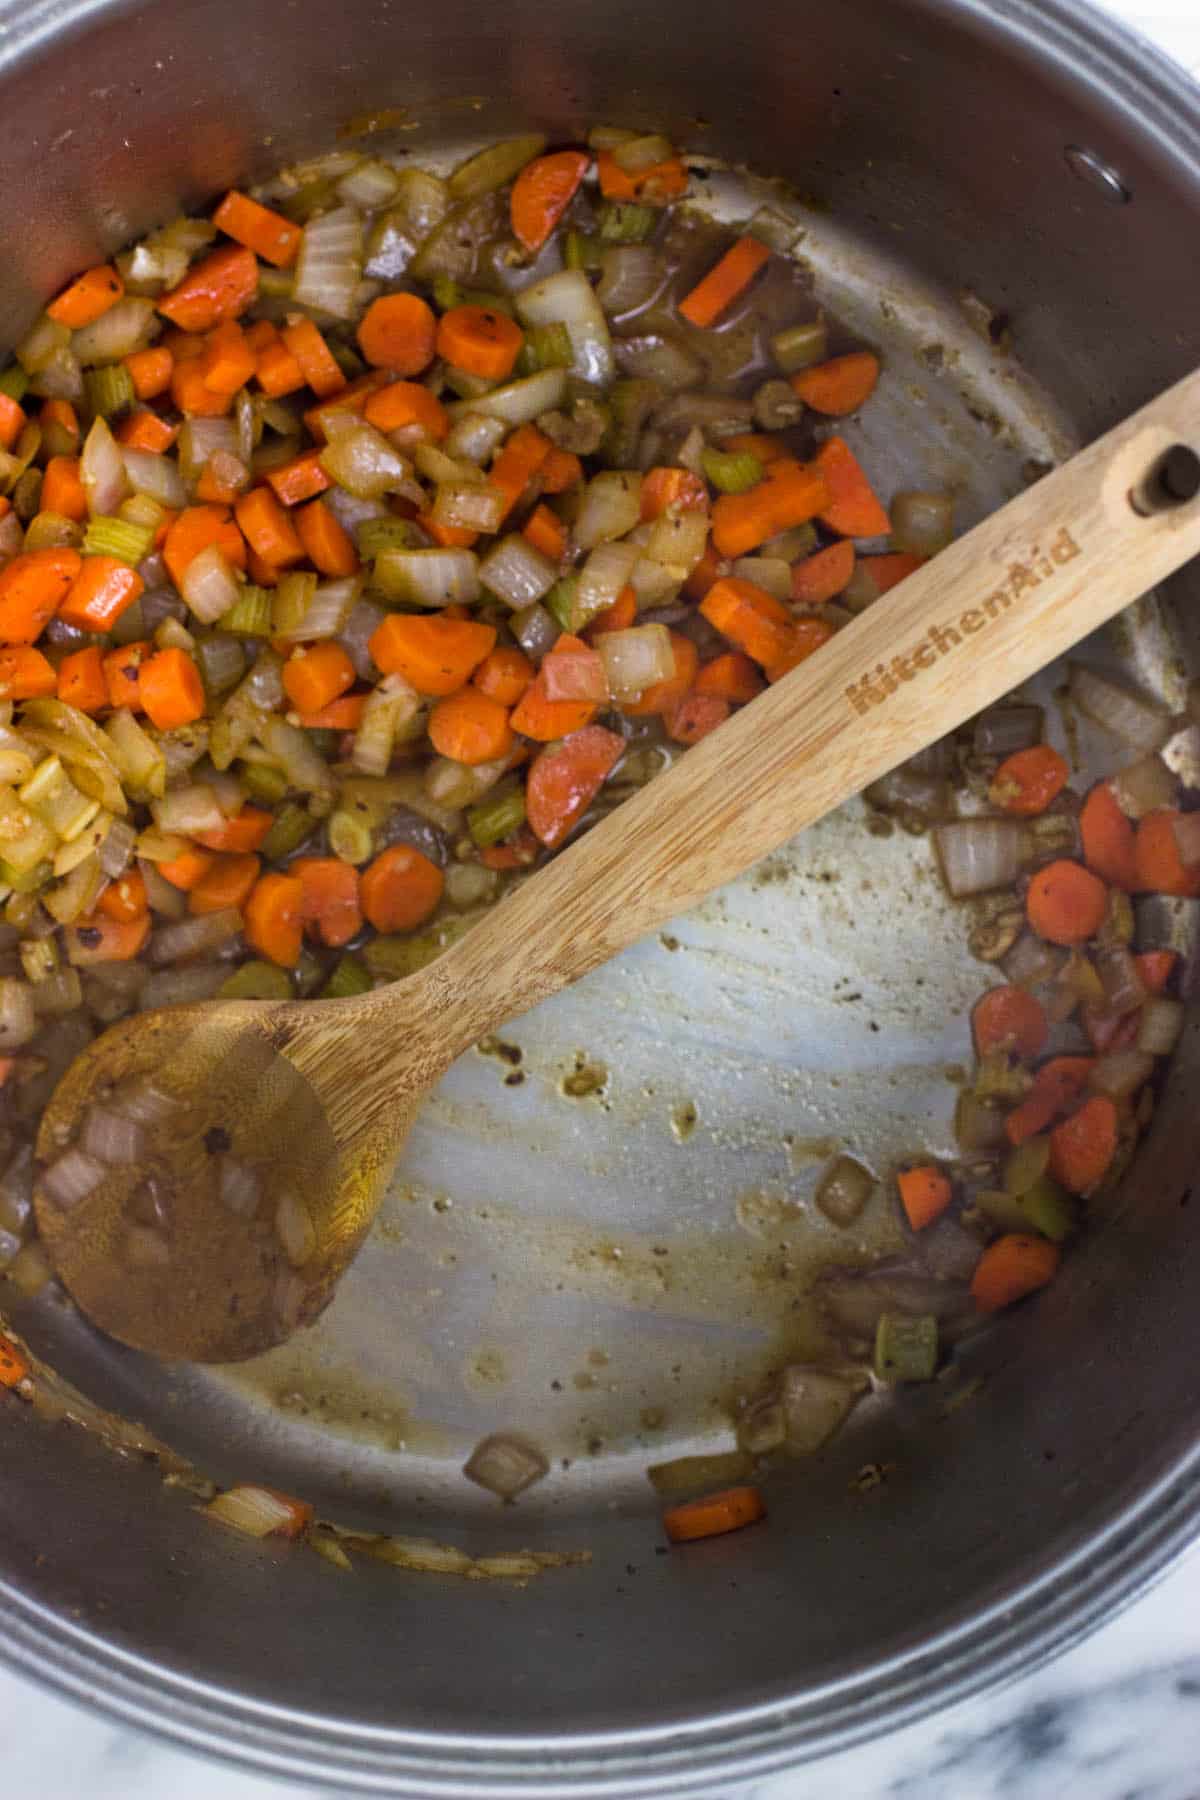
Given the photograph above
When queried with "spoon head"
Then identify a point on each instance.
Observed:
(190, 1191)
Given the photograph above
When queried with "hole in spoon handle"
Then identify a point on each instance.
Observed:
(1172, 481)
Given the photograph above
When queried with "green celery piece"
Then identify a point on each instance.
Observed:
(14, 382)
(731, 471)
(349, 978)
(110, 390)
(497, 816)
(625, 222)
(250, 615)
(906, 1349)
(264, 783)
(129, 543)
(289, 828)
(256, 981)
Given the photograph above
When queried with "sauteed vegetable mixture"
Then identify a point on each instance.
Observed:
(363, 542)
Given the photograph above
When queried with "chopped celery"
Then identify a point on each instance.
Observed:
(583, 251)
(545, 347)
(310, 973)
(315, 196)
(291, 600)
(563, 603)
(389, 533)
(323, 741)
(250, 616)
(264, 783)
(256, 981)
(448, 293)
(14, 382)
(630, 404)
(1044, 1207)
(275, 283)
(25, 881)
(395, 957)
(349, 978)
(350, 836)
(906, 1349)
(497, 816)
(467, 387)
(289, 828)
(118, 537)
(800, 346)
(110, 390)
(51, 795)
(731, 471)
(624, 222)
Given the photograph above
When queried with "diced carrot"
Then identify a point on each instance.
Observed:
(277, 370)
(239, 835)
(267, 233)
(228, 362)
(806, 636)
(839, 386)
(122, 675)
(523, 455)
(925, 1193)
(437, 655)
(731, 676)
(617, 617)
(888, 571)
(404, 403)
(89, 297)
(400, 889)
(789, 494)
(260, 333)
(504, 674)
(716, 1514)
(398, 332)
(480, 341)
(183, 345)
(693, 717)
(1066, 903)
(537, 715)
(60, 427)
(317, 674)
(450, 537)
(331, 897)
(853, 509)
(267, 528)
(1083, 1146)
(340, 715)
(273, 919)
(96, 939)
(1160, 868)
(540, 196)
(223, 477)
(192, 394)
(150, 371)
(517, 852)
(193, 530)
(1056, 1087)
(12, 421)
(13, 1366)
(1155, 969)
(1108, 839)
(664, 696)
(565, 778)
(25, 674)
(326, 544)
(1009, 1019)
(186, 869)
(825, 575)
(227, 882)
(145, 430)
(62, 491)
(299, 479)
(171, 690)
(1027, 781)
(1010, 1268)
(220, 287)
(32, 588)
(657, 185)
(749, 617)
(668, 486)
(469, 727)
(561, 470)
(81, 682)
(316, 359)
(546, 532)
(103, 589)
(763, 445)
(724, 283)
(126, 897)
(705, 573)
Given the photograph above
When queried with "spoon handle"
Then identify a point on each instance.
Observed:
(975, 622)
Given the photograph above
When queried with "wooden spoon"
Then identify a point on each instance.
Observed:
(318, 1099)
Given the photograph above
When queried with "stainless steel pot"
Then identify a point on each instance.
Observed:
(1046, 159)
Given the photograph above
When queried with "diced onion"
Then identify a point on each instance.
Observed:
(844, 1190)
(369, 185)
(195, 935)
(569, 299)
(604, 574)
(1123, 989)
(428, 577)
(770, 573)
(814, 1404)
(976, 855)
(222, 660)
(102, 470)
(1031, 962)
(469, 506)
(327, 612)
(329, 266)
(506, 1465)
(209, 585)
(201, 438)
(1003, 729)
(922, 524)
(631, 274)
(189, 809)
(661, 359)
(517, 573)
(474, 437)
(362, 461)
(1122, 1073)
(112, 1137)
(155, 475)
(1144, 786)
(421, 1554)
(1140, 723)
(145, 1104)
(635, 659)
(257, 1511)
(18, 1020)
(116, 851)
(294, 1229)
(307, 772)
(389, 708)
(1162, 1022)
(72, 1177)
(124, 328)
(519, 402)
(678, 541)
(535, 630)
(1187, 838)
(611, 506)
(181, 987)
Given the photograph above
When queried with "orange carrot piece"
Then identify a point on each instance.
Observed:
(340, 715)
(400, 889)
(925, 1193)
(267, 528)
(537, 716)
(145, 430)
(564, 780)
(273, 923)
(1160, 868)
(1027, 781)
(260, 333)
(469, 727)
(239, 835)
(517, 852)
(62, 490)
(1083, 1146)
(1108, 839)
(32, 588)
(437, 655)
(103, 589)
(1056, 1087)
(459, 537)
(617, 617)
(730, 1510)
(853, 509)
(299, 479)
(761, 444)
(223, 477)
(183, 345)
(405, 403)
(889, 570)
(220, 287)
(667, 486)
(523, 455)
(317, 361)
(277, 371)
(60, 428)
(317, 674)
(480, 341)
(13, 1367)
(25, 674)
(12, 421)
(823, 576)
(227, 882)
(327, 545)
(331, 897)
(561, 470)
(188, 868)
(267, 233)
(192, 395)
(546, 532)
(1009, 1019)
(122, 675)
(504, 674)
(724, 283)
(193, 530)
(806, 636)
(705, 573)
(731, 676)
(789, 494)
(81, 680)
(96, 939)
(1155, 968)
(657, 185)
(1066, 903)
(150, 371)
(171, 690)
(1010, 1268)
(228, 362)
(839, 386)
(398, 332)
(663, 696)
(89, 297)
(749, 617)
(693, 717)
(541, 195)
(125, 898)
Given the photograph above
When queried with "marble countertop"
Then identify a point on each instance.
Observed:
(1116, 1718)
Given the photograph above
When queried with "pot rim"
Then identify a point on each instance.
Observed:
(1064, 1597)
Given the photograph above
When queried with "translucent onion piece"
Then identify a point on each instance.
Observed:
(370, 185)
(116, 851)
(1144, 787)
(770, 573)
(194, 936)
(922, 523)
(660, 359)
(1031, 962)
(1003, 729)
(469, 506)
(535, 630)
(611, 506)
(635, 659)
(976, 855)
(124, 328)
(222, 660)
(362, 461)
(506, 1465)
(328, 611)
(305, 770)
(1162, 1022)
(814, 1404)
(1139, 723)
(145, 1104)
(102, 470)
(72, 1178)
(329, 266)
(421, 1554)
(428, 577)
(569, 299)
(112, 1137)
(474, 437)
(201, 438)
(1119, 978)
(1122, 1073)
(257, 1511)
(295, 1230)
(520, 402)
(517, 573)
(188, 809)
(209, 585)
(181, 987)
(604, 574)
(389, 708)
(844, 1190)
(678, 540)
(631, 274)
(18, 1020)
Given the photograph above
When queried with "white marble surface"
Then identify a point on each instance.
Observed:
(1117, 1718)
